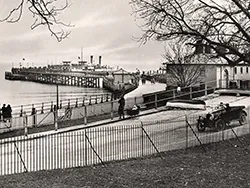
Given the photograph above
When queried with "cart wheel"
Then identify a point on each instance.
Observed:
(243, 118)
(219, 125)
(201, 126)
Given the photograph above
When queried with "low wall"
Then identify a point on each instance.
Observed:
(65, 114)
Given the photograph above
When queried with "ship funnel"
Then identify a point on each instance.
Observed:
(91, 59)
(100, 60)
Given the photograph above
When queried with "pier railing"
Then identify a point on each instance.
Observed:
(49, 106)
(158, 99)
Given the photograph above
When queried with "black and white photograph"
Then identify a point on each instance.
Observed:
(125, 93)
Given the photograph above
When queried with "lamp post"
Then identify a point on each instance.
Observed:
(58, 81)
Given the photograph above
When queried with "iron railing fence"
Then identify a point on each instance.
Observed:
(18, 110)
(99, 145)
(157, 99)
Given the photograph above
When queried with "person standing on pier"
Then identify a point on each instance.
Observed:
(8, 112)
(4, 112)
(121, 107)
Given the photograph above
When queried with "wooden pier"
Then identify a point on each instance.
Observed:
(116, 82)
(62, 78)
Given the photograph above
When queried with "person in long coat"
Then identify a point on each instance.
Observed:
(4, 111)
(121, 107)
(8, 112)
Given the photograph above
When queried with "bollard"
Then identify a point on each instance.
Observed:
(96, 99)
(60, 104)
(102, 99)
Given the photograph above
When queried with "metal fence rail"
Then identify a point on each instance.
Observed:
(102, 144)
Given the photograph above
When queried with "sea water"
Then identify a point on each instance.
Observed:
(18, 93)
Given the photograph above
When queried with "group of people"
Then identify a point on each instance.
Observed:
(6, 112)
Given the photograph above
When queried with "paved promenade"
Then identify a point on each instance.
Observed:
(159, 114)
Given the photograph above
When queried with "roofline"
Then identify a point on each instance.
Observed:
(212, 64)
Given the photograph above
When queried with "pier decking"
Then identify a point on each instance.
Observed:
(62, 78)
(115, 83)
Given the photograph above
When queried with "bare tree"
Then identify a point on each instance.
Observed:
(222, 25)
(182, 66)
(45, 13)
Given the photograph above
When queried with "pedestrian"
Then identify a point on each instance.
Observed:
(121, 107)
(8, 112)
(179, 89)
(4, 111)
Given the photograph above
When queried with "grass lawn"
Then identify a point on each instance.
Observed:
(225, 164)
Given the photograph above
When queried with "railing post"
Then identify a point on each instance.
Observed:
(155, 101)
(21, 111)
(107, 97)
(76, 102)
(51, 108)
(222, 135)
(60, 104)
(56, 119)
(85, 115)
(68, 103)
(34, 116)
(90, 100)
(142, 143)
(186, 120)
(205, 89)
(173, 94)
(190, 92)
(248, 119)
(42, 109)
(83, 101)
(25, 124)
(102, 99)
(112, 108)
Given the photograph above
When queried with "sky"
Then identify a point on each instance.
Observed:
(105, 28)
